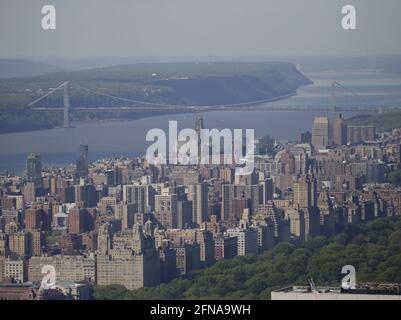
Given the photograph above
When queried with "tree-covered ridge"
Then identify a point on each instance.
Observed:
(383, 122)
(374, 248)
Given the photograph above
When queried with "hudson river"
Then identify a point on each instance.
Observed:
(60, 146)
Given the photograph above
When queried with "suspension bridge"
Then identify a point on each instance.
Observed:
(99, 101)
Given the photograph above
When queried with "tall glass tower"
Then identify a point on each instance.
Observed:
(34, 169)
(82, 162)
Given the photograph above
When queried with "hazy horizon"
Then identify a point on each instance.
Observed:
(193, 28)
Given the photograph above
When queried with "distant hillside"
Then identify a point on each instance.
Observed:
(12, 68)
(384, 122)
(186, 83)
(386, 63)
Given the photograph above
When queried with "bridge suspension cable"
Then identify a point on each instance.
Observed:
(47, 94)
(102, 104)
(180, 106)
(335, 84)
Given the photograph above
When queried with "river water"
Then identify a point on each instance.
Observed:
(108, 139)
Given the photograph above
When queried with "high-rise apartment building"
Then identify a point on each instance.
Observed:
(34, 169)
(37, 241)
(85, 193)
(339, 130)
(18, 243)
(232, 191)
(305, 198)
(80, 220)
(130, 259)
(202, 237)
(305, 192)
(225, 247)
(166, 210)
(71, 268)
(83, 162)
(184, 214)
(15, 269)
(297, 222)
(198, 194)
(247, 239)
(168, 266)
(358, 134)
(320, 133)
(267, 190)
(187, 257)
(143, 196)
(36, 219)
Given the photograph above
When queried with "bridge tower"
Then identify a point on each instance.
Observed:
(333, 96)
(66, 108)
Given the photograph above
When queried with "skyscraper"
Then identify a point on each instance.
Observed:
(232, 191)
(166, 210)
(198, 128)
(305, 199)
(199, 125)
(320, 133)
(198, 194)
(34, 169)
(267, 190)
(339, 131)
(82, 162)
(135, 194)
(305, 192)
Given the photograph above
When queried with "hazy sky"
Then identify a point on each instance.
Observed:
(198, 28)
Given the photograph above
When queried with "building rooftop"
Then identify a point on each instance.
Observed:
(368, 288)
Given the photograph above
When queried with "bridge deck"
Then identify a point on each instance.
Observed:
(203, 109)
